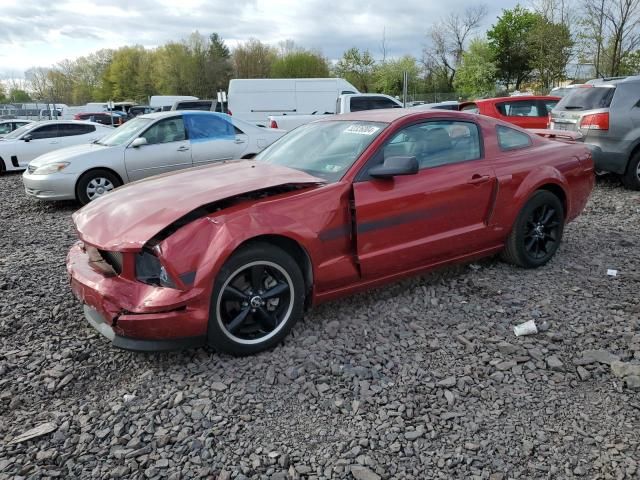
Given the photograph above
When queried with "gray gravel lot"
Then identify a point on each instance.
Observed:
(422, 379)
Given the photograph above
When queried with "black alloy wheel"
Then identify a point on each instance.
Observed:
(258, 296)
(537, 231)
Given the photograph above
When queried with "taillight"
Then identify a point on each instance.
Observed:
(595, 121)
(273, 124)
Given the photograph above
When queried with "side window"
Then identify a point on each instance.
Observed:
(376, 103)
(521, 108)
(5, 128)
(69, 129)
(46, 131)
(436, 143)
(165, 131)
(209, 127)
(510, 139)
(359, 103)
(549, 105)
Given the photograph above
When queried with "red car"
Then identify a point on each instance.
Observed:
(526, 111)
(231, 254)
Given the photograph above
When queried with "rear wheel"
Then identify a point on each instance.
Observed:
(3, 168)
(631, 179)
(257, 298)
(94, 184)
(537, 232)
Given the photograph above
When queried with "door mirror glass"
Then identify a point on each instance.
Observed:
(138, 142)
(394, 166)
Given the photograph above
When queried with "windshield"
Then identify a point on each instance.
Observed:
(20, 131)
(124, 133)
(324, 149)
(586, 98)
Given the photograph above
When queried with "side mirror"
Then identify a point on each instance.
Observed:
(394, 166)
(28, 137)
(138, 142)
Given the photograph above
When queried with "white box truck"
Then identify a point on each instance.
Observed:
(253, 100)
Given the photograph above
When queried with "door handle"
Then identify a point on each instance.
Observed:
(478, 179)
(53, 141)
(183, 149)
(238, 140)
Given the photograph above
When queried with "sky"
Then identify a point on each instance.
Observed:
(44, 32)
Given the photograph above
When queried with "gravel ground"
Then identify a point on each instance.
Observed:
(423, 379)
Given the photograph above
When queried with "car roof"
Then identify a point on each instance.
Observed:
(517, 98)
(72, 122)
(173, 113)
(390, 115)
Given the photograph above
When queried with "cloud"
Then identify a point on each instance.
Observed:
(43, 32)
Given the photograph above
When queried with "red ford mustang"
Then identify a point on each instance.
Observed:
(231, 254)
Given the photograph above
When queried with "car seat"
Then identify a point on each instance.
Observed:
(433, 148)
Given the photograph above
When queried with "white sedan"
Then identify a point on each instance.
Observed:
(8, 126)
(24, 144)
(147, 145)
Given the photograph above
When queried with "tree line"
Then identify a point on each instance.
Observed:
(525, 48)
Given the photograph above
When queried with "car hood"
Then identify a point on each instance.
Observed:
(125, 219)
(68, 153)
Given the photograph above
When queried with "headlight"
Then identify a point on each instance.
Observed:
(149, 270)
(50, 168)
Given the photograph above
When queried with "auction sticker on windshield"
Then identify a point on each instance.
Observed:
(362, 129)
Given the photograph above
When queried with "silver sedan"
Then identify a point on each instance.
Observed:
(147, 145)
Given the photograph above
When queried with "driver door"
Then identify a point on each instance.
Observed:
(407, 222)
(43, 139)
(167, 149)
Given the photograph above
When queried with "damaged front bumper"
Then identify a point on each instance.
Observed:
(136, 316)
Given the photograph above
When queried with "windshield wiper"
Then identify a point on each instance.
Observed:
(573, 107)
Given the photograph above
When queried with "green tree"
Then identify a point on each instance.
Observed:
(388, 76)
(630, 63)
(18, 95)
(300, 64)
(253, 59)
(476, 75)
(551, 47)
(3, 97)
(357, 68)
(122, 73)
(509, 42)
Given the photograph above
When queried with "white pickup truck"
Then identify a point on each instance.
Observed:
(347, 103)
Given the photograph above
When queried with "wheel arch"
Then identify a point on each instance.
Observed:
(292, 247)
(559, 192)
(93, 169)
(634, 151)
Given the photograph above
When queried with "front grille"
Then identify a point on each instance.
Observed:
(112, 258)
(31, 169)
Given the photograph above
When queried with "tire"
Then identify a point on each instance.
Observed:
(3, 167)
(631, 178)
(100, 181)
(242, 320)
(534, 238)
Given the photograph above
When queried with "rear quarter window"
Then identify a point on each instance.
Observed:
(510, 139)
(586, 98)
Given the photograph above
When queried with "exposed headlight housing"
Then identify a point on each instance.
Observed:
(50, 168)
(149, 270)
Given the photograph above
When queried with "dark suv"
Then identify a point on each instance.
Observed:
(607, 113)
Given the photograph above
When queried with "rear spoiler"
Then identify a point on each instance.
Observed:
(557, 134)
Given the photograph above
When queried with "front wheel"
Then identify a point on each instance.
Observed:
(95, 184)
(257, 298)
(537, 232)
(631, 179)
